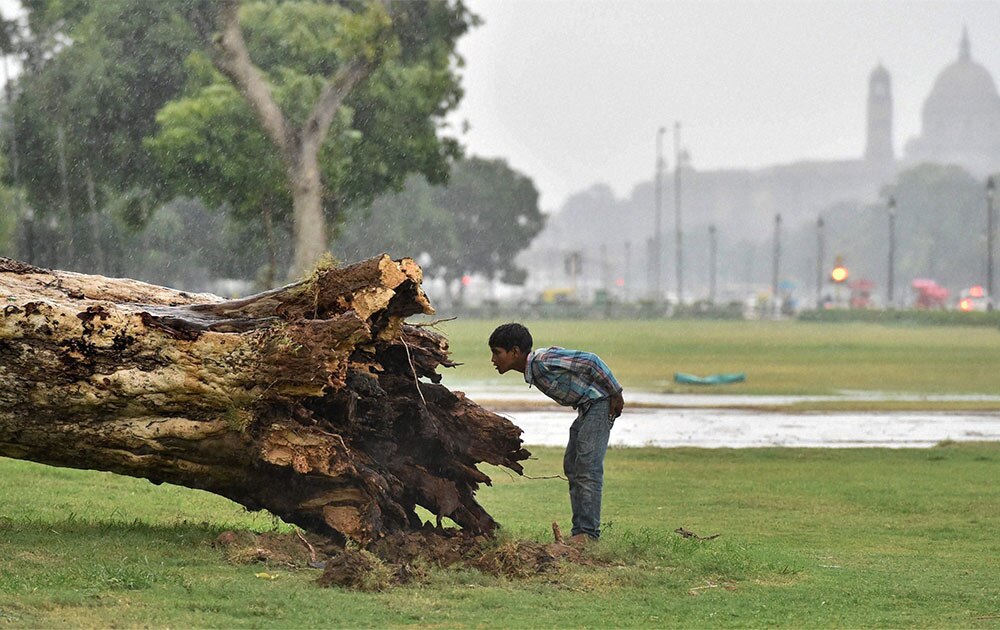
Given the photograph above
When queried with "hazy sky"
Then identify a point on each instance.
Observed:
(572, 92)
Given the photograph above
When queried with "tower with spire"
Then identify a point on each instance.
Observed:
(878, 147)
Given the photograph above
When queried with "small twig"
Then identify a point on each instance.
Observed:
(336, 435)
(312, 552)
(416, 379)
(988, 617)
(546, 477)
(432, 324)
(689, 534)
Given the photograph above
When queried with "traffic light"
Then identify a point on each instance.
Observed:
(839, 273)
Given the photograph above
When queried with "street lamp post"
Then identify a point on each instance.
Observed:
(627, 276)
(658, 229)
(890, 293)
(990, 189)
(777, 263)
(820, 275)
(677, 208)
(712, 253)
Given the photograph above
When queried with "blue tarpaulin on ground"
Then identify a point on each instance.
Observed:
(712, 379)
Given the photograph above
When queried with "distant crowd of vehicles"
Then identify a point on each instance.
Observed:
(927, 295)
(931, 295)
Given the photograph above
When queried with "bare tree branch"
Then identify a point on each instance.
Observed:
(334, 92)
(231, 57)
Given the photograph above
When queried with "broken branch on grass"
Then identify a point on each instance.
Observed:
(686, 533)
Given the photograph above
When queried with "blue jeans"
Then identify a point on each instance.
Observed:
(583, 464)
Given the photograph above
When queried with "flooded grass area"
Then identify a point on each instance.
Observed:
(737, 428)
(851, 419)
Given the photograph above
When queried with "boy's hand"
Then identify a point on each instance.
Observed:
(617, 404)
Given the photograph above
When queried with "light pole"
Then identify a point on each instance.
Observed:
(777, 262)
(677, 207)
(627, 277)
(990, 189)
(658, 229)
(712, 253)
(890, 293)
(820, 275)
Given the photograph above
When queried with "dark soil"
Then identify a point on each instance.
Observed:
(401, 557)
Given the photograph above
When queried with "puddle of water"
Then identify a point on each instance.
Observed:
(522, 393)
(728, 428)
(697, 420)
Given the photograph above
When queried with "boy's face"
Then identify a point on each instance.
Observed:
(504, 360)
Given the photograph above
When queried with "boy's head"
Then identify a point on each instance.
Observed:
(509, 346)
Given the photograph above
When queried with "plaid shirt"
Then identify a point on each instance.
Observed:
(570, 377)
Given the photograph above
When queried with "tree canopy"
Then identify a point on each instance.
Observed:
(120, 97)
(478, 223)
(940, 231)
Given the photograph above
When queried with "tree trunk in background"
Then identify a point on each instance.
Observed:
(303, 400)
(309, 232)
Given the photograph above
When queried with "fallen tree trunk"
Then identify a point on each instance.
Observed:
(305, 400)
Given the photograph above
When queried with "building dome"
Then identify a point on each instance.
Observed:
(962, 113)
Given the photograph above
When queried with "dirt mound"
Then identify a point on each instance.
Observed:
(359, 570)
(400, 557)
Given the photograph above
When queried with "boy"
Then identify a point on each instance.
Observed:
(574, 379)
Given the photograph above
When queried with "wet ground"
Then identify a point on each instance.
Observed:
(704, 421)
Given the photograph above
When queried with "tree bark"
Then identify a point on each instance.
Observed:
(310, 400)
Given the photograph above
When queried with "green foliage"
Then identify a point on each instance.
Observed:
(13, 204)
(477, 223)
(496, 209)
(940, 231)
(209, 144)
(211, 147)
(316, 38)
(49, 15)
(124, 63)
(118, 63)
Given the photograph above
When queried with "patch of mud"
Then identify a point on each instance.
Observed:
(401, 557)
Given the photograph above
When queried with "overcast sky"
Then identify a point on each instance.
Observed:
(571, 92)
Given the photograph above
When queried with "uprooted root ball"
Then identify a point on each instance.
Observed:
(401, 558)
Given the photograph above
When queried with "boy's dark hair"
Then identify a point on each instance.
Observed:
(510, 336)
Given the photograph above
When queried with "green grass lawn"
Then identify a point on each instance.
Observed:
(809, 538)
(779, 357)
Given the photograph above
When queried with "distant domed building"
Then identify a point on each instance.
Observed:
(961, 125)
(961, 118)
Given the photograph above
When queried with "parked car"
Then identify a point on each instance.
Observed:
(974, 299)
